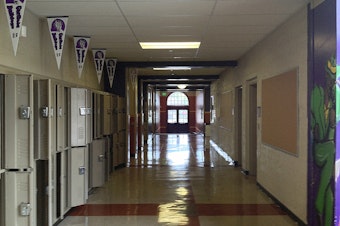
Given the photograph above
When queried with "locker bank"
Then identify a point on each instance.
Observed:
(238, 130)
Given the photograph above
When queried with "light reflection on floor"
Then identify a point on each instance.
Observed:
(174, 181)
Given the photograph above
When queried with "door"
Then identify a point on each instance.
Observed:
(178, 120)
(238, 126)
(252, 134)
(177, 113)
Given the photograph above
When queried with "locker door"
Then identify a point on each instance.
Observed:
(60, 118)
(42, 120)
(89, 116)
(78, 174)
(107, 109)
(19, 199)
(97, 114)
(78, 117)
(18, 122)
(98, 163)
(18, 180)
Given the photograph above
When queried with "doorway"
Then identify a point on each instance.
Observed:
(238, 126)
(177, 113)
(252, 134)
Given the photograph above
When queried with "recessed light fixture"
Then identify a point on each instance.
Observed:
(172, 68)
(170, 45)
(182, 86)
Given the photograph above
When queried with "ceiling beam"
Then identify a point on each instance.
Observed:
(193, 64)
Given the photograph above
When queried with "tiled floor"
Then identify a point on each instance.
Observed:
(176, 182)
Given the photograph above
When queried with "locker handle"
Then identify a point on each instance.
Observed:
(82, 170)
(100, 158)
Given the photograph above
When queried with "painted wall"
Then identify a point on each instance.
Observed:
(35, 54)
(283, 175)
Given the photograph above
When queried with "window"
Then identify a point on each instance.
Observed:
(177, 99)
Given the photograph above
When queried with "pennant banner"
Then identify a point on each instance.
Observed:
(15, 13)
(81, 45)
(57, 27)
(99, 59)
(111, 67)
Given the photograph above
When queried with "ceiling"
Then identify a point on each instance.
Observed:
(227, 29)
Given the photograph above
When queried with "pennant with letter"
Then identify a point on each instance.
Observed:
(81, 45)
(111, 67)
(57, 27)
(99, 59)
(15, 13)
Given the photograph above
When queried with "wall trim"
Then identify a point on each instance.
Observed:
(283, 207)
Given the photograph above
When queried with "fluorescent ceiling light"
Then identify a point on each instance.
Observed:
(172, 68)
(182, 86)
(170, 45)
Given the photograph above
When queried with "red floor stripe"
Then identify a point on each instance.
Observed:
(238, 209)
(190, 210)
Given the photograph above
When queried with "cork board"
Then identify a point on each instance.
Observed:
(280, 111)
(226, 117)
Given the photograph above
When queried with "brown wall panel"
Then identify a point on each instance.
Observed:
(279, 111)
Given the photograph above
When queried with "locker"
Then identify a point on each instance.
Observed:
(97, 163)
(78, 175)
(107, 114)
(16, 178)
(64, 180)
(115, 149)
(97, 114)
(19, 201)
(42, 120)
(108, 157)
(78, 117)
(89, 117)
(18, 122)
(61, 117)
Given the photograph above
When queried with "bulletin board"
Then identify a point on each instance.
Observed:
(280, 111)
(226, 117)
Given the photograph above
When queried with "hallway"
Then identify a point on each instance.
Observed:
(175, 182)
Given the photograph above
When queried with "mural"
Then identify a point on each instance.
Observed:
(337, 90)
(323, 120)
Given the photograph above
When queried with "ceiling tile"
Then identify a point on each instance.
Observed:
(166, 8)
(61, 8)
(232, 7)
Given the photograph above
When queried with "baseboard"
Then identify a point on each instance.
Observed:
(283, 207)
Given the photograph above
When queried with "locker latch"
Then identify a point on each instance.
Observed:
(101, 158)
(24, 112)
(81, 170)
(82, 111)
(25, 209)
(44, 112)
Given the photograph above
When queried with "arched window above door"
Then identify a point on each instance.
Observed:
(177, 99)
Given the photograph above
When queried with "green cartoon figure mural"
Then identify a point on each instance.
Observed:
(323, 123)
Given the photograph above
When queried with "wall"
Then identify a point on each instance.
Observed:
(199, 111)
(281, 174)
(35, 54)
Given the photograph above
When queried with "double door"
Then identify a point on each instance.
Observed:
(178, 120)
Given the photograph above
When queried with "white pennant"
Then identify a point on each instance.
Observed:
(15, 13)
(111, 67)
(57, 27)
(99, 59)
(81, 45)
